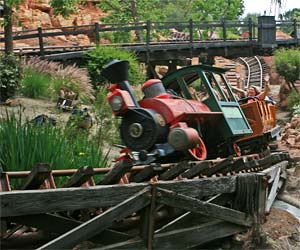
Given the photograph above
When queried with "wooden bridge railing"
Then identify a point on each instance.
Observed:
(148, 33)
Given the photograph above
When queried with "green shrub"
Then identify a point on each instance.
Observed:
(10, 74)
(35, 84)
(293, 101)
(102, 55)
(287, 63)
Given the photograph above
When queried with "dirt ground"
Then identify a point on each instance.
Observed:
(282, 230)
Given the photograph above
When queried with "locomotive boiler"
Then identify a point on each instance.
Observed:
(190, 114)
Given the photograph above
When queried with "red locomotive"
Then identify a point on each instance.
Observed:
(189, 114)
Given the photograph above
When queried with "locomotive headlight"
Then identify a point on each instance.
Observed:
(116, 103)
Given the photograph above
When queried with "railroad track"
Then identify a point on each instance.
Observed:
(256, 69)
(124, 172)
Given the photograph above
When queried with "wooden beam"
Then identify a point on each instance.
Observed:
(197, 169)
(174, 171)
(37, 176)
(81, 176)
(99, 223)
(184, 238)
(115, 174)
(194, 236)
(204, 208)
(130, 244)
(189, 219)
(147, 173)
(201, 187)
(53, 200)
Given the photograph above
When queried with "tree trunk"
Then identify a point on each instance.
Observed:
(136, 19)
(8, 38)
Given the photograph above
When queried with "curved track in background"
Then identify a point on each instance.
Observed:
(256, 69)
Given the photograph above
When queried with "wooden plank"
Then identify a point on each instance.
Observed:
(197, 170)
(130, 244)
(81, 176)
(53, 200)
(115, 174)
(174, 171)
(204, 208)
(190, 219)
(99, 223)
(194, 236)
(201, 187)
(147, 173)
(273, 192)
(37, 176)
(271, 172)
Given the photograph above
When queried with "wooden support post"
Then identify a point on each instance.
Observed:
(147, 221)
(295, 35)
(97, 33)
(259, 215)
(224, 30)
(41, 43)
(148, 34)
(250, 29)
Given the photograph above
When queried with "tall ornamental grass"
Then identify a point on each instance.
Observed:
(24, 145)
(43, 78)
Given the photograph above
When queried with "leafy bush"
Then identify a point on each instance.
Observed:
(41, 75)
(10, 72)
(293, 101)
(287, 63)
(24, 145)
(102, 55)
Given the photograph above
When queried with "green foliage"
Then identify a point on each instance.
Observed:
(287, 63)
(102, 55)
(43, 78)
(10, 72)
(64, 7)
(293, 101)
(291, 15)
(35, 84)
(24, 145)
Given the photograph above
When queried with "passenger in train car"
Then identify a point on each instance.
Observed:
(253, 91)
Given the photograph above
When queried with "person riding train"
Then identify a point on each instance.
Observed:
(253, 93)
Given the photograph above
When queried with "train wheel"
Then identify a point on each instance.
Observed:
(199, 152)
(237, 150)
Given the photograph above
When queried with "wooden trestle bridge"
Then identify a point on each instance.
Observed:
(158, 206)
